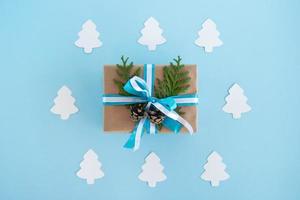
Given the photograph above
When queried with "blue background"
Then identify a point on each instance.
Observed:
(40, 153)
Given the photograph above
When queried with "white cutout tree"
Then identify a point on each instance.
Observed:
(208, 36)
(90, 167)
(214, 170)
(151, 34)
(64, 103)
(88, 37)
(236, 102)
(152, 170)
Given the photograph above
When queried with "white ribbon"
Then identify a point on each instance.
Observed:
(139, 131)
(133, 99)
(186, 100)
(122, 99)
(173, 115)
(149, 78)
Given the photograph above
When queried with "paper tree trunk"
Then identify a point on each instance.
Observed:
(117, 118)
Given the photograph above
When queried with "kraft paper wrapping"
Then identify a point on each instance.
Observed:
(117, 118)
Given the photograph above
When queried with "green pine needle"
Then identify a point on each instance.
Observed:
(175, 80)
(125, 72)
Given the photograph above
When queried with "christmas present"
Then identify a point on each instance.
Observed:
(149, 98)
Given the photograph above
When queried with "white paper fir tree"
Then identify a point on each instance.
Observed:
(208, 36)
(90, 167)
(151, 34)
(88, 37)
(236, 102)
(64, 103)
(214, 170)
(152, 170)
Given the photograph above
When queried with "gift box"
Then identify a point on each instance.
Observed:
(117, 118)
(151, 98)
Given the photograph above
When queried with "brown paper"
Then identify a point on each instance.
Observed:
(117, 118)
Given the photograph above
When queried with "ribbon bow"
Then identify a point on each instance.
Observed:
(142, 93)
(138, 87)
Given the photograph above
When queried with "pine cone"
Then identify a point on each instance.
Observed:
(137, 111)
(155, 115)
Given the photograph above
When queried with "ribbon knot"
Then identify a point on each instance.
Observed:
(152, 99)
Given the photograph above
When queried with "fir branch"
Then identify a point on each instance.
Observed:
(175, 80)
(125, 72)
